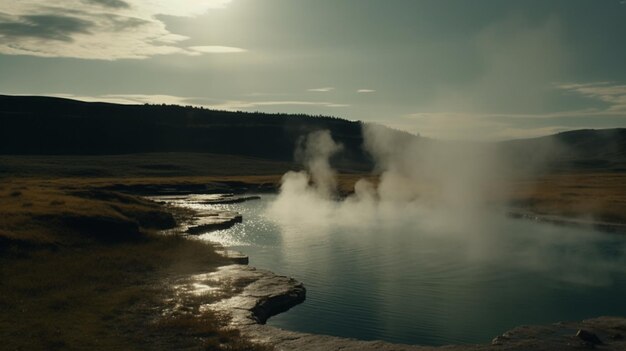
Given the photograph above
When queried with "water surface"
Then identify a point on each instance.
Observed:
(407, 283)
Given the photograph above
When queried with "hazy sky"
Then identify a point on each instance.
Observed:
(444, 68)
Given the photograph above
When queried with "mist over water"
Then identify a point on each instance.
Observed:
(443, 187)
(446, 190)
(400, 281)
(426, 254)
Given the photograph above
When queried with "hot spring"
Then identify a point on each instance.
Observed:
(395, 274)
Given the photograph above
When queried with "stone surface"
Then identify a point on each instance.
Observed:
(588, 337)
(235, 257)
(262, 294)
(208, 221)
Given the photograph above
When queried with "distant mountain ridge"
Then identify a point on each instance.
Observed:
(37, 125)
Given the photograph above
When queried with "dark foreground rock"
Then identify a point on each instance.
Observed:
(554, 337)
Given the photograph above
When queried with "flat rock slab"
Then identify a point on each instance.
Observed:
(208, 221)
(235, 257)
(262, 294)
(205, 219)
(554, 337)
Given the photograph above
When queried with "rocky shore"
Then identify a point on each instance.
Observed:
(260, 294)
(264, 294)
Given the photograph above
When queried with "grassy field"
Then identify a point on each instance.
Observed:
(591, 196)
(147, 165)
(84, 268)
(597, 196)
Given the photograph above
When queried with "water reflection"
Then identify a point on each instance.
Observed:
(414, 280)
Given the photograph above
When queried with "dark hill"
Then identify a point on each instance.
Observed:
(55, 126)
(32, 125)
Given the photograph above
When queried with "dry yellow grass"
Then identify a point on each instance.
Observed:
(81, 268)
(107, 297)
(41, 212)
(596, 196)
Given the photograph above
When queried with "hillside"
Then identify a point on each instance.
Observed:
(578, 150)
(46, 126)
(54, 126)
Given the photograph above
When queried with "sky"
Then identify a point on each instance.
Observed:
(454, 69)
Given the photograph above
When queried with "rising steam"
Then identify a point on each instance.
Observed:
(315, 151)
(434, 189)
(424, 177)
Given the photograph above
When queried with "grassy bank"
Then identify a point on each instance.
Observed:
(598, 195)
(591, 196)
(84, 268)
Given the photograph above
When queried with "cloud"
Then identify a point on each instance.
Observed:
(321, 90)
(513, 93)
(229, 105)
(248, 105)
(54, 27)
(613, 95)
(109, 3)
(216, 49)
(365, 91)
(100, 29)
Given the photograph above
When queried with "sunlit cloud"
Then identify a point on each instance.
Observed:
(99, 29)
(216, 49)
(228, 105)
(321, 90)
(365, 91)
(247, 105)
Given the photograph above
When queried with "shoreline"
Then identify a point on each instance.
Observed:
(606, 227)
(265, 294)
(241, 191)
